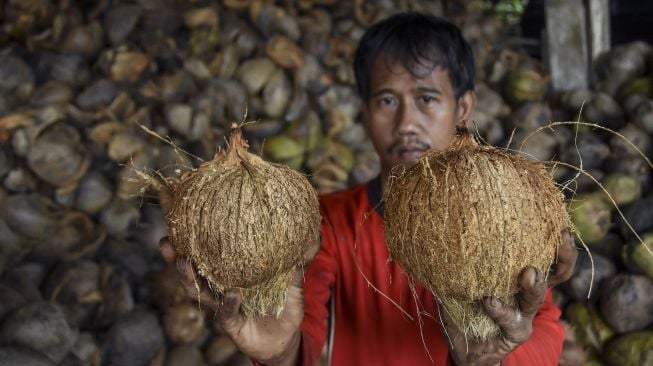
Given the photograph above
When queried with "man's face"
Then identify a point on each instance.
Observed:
(407, 115)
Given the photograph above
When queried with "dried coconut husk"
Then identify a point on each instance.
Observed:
(466, 221)
(244, 223)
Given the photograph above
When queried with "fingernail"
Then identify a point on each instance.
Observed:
(182, 265)
(539, 277)
(230, 302)
(493, 302)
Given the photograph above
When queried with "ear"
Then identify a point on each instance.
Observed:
(364, 116)
(466, 105)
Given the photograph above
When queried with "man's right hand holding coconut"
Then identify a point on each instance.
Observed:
(271, 339)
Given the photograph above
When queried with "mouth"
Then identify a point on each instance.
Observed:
(410, 153)
(408, 149)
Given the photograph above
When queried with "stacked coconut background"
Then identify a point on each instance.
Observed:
(81, 278)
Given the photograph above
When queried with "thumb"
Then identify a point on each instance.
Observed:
(451, 330)
(229, 315)
(298, 278)
(165, 198)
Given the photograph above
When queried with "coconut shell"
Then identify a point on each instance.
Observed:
(57, 156)
(603, 110)
(623, 188)
(220, 349)
(166, 288)
(632, 135)
(638, 256)
(244, 223)
(75, 287)
(26, 278)
(184, 356)
(129, 66)
(591, 217)
(86, 349)
(640, 217)
(631, 292)
(23, 357)
(120, 21)
(610, 247)
(634, 166)
(117, 298)
(11, 300)
(578, 286)
(590, 330)
(119, 217)
(12, 249)
(127, 257)
(634, 349)
(52, 92)
(20, 180)
(184, 323)
(589, 148)
(98, 94)
(17, 78)
(42, 327)
(572, 354)
(467, 220)
(524, 85)
(94, 193)
(133, 340)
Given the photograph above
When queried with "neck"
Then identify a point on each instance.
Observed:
(383, 178)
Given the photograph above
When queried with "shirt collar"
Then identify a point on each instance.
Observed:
(374, 195)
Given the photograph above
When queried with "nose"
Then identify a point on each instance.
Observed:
(406, 119)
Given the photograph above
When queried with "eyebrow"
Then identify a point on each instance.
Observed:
(381, 91)
(425, 89)
(421, 89)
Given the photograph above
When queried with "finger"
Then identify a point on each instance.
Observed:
(310, 254)
(195, 286)
(565, 262)
(167, 252)
(532, 286)
(506, 317)
(229, 315)
(451, 331)
(515, 328)
(298, 278)
(165, 199)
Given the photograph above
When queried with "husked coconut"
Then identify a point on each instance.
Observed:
(467, 220)
(245, 224)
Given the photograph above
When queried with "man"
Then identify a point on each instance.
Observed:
(415, 75)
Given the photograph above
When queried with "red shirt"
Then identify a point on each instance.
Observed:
(365, 327)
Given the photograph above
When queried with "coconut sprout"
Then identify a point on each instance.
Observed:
(466, 221)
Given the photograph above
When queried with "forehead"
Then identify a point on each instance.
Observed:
(385, 70)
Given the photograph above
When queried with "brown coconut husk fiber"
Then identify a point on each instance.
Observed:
(466, 221)
(245, 224)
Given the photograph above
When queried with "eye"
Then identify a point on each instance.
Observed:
(426, 99)
(388, 101)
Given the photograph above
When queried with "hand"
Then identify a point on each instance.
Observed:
(268, 339)
(563, 267)
(516, 325)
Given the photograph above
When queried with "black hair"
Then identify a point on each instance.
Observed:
(415, 41)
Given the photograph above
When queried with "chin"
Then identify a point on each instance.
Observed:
(410, 160)
(399, 166)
